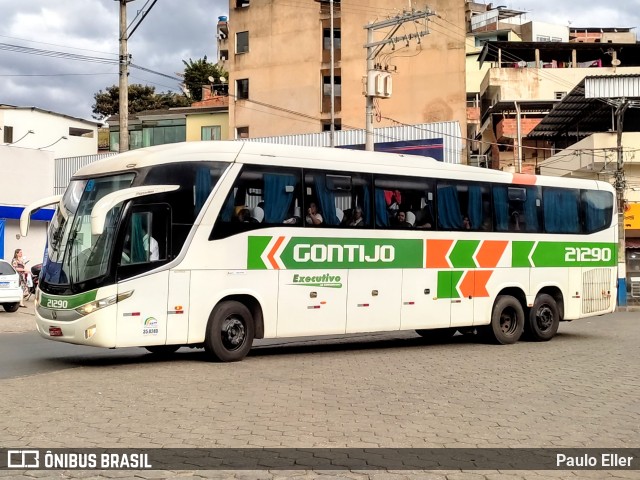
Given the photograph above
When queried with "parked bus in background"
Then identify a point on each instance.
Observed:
(213, 244)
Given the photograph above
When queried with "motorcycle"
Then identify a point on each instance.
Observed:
(35, 276)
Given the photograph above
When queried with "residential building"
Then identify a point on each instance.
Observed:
(34, 128)
(525, 80)
(583, 132)
(205, 120)
(601, 35)
(27, 175)
(278, 55)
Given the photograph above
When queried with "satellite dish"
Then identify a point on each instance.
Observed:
(211, 79)
(615, 62)
(222, 79)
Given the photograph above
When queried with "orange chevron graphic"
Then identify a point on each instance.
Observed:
(474, 283)
(490, 253)
(524, 179)
(437, 253)
(271, 254)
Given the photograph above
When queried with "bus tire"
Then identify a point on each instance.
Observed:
(162, 349)
(230, 332)
(437, 334)
(507, 321)
(544, 319)
(11, 307)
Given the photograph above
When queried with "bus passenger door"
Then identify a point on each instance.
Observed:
(142, 317)
(421, 307)
(374, 300)
(311, 302)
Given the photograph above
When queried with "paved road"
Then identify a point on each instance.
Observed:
(394, 390)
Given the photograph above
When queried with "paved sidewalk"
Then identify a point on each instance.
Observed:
(23, 320)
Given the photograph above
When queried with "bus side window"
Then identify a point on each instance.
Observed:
(260, 197)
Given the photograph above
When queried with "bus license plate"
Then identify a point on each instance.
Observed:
(55, 331)
(4, 284)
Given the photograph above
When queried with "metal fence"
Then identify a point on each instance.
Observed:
(66, 167)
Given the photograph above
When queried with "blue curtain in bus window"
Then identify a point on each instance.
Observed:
(228, 209)
(366, 207)
(475, 207)
(1, 237)
(326, 200)
(501, 207)
(598, 208)
(449, 215)
(561, 211)
(138, 252)
(203, 187)
(277, 200)
(531, 210)
(382, 216)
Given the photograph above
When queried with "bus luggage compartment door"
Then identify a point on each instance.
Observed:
(311, 302)
(373, 302)
(421, 307)
(178, 307)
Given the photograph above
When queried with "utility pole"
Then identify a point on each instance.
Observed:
(331, 72)
(123, 112)
(620, 188)
(124, 83)
(374, 49)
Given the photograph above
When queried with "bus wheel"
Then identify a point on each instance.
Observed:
(544, 319)
(230, 332)
(507, 321)
(163, 349)
(437, 334)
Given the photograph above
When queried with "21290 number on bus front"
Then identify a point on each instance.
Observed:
(587, 254)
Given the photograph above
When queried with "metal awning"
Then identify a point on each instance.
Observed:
(577, 116)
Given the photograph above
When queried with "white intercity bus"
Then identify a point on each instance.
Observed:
(215, 244)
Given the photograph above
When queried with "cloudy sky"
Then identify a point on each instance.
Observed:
(174, 30)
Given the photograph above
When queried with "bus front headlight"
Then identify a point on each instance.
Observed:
(91, 307)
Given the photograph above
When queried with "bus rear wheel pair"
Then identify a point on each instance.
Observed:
(509, 323)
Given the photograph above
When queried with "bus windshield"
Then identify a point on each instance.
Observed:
(74, 255)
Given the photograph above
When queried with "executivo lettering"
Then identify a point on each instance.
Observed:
(343, 253)
(326, 280)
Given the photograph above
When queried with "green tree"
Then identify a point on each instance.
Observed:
(141, 97)
(197, 73)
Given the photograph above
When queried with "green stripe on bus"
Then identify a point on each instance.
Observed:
(257, 245)
(462, 254)
(447, 282)
(563, 254)
(67, 302)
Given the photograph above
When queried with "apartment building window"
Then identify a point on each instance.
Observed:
(326, 125)
(542, 38)
(559, 95)
(210, 133)
(242, 42)
(242, 3)
(326, 39)
(337, 85)
(242, 89)
(8, 134)
(242, 132)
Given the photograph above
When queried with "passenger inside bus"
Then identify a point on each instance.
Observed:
(356, 219)
(313, 216)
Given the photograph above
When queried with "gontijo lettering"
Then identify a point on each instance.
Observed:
(340, 253)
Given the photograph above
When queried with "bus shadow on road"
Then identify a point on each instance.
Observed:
(275, 347)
